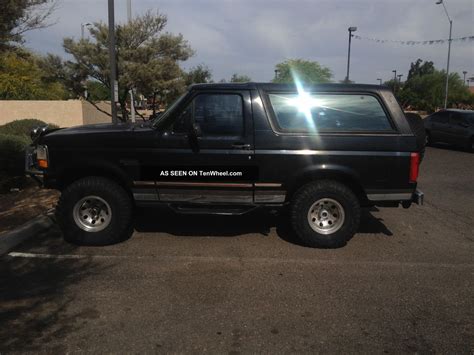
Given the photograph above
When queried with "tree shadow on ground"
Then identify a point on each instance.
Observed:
(163, 220)
(34, 300)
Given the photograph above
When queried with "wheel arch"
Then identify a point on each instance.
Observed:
(333, 172)
(70, 173)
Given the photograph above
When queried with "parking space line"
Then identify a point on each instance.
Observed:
(46, 256)
(262, 260)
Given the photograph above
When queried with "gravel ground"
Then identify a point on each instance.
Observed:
(17, 208)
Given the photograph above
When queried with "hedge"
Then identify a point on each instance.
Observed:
(12, 154)
(23, 127)
(14, 138)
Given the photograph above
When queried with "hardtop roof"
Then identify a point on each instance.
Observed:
(288, 87)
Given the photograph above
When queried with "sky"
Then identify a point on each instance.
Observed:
(251, 36)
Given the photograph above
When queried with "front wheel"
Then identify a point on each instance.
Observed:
(94, 211)
(470, 145)
(325, 214)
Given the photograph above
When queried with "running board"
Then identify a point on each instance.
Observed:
(212, 209)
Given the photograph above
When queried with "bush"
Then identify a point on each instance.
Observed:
(23, 127)
(12, 154)
(14, 138)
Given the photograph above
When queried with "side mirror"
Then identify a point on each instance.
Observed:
(196, 130)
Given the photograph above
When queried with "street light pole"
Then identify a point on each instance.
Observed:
(87, 24)
(395, 75)
(464, 79)
(129, 10)
(380, 81)
(449, 51)
(132, 100)
(400, 78)
(350, 29)
(113, 63)
(277, 72)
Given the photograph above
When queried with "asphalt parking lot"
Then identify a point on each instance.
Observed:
(404, 283)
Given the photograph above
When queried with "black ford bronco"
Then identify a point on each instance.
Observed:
(323, 151)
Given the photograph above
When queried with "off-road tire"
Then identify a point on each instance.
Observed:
(470, 145)
(304, 198)
(428, 140)
(120, 225)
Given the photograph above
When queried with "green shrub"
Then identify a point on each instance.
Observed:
(14, 138)
(12, 154)
(23, 127)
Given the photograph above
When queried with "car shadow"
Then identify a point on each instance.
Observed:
(34, 299)
(164, 220)
(446, 146)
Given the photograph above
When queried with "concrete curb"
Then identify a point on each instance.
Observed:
(37, 225)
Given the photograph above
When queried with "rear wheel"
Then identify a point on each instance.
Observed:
(94, 211)
(470, 145)
(325, 214)
(428, 140)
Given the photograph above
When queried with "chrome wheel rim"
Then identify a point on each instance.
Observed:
(326, 216)
(92, 214)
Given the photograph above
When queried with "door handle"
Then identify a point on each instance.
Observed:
(241, 146)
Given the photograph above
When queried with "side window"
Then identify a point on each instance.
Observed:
(180, 126)
(458, 119)
(440, 117)
(312, 113)
(219, 114)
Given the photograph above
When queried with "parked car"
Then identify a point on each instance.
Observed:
(323, 151)
(454, 127)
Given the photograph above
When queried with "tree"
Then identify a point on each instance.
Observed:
(198, 74)
(419, 68)
(20, 16)
(147, 60)
(22, 78)
(393, 84)
(96, 91)
(236, 78)
(426, 92)
(303, 70)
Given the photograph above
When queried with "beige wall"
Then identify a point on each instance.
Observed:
(62, 113)
(93, 115)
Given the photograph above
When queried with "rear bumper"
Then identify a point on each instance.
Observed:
(418, 197)
(395, 199)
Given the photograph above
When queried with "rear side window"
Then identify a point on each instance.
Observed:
(312, 113)
(462, 118)
(440, 117)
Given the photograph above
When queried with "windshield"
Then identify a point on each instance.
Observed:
(155, 122)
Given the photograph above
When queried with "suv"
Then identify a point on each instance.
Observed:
(324, 151)
(451, 126)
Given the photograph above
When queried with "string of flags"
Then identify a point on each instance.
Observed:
(414, 43)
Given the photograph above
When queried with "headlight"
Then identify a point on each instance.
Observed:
(42, 158)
